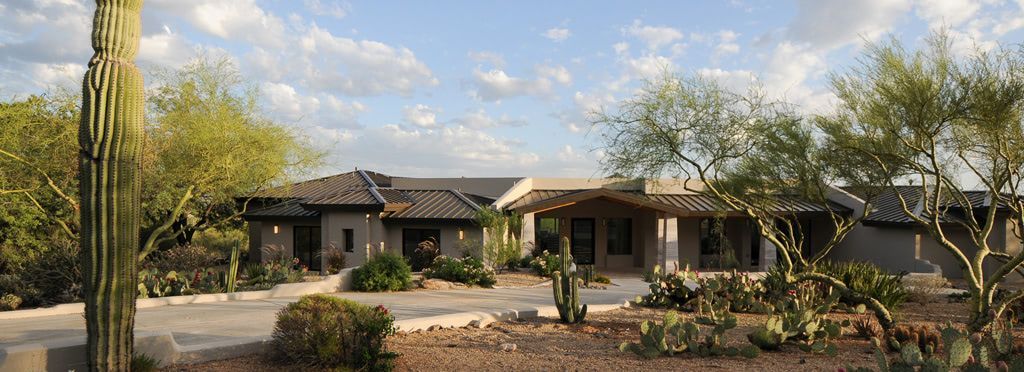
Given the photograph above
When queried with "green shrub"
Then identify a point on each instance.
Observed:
(144, 363)
(868, 279)
(601, 278)
(335, 333)
(222, 241)
(383, 272)
(56, 276)
(9, 302)
(544, 264)
(468, 270)
(265, 275)
(524, 263)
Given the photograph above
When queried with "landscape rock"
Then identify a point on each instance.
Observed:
(436, 284)
(508, 347)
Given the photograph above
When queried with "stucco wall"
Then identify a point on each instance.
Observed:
(449, 236)
(285, 233)
(644, 231)
(892, 248)
(363, 230)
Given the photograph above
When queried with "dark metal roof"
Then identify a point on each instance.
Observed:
(687, 202)
(357, 197)
(539, 195)
(437, 204)
(287, 209)
(320, 187)
(394, 196)
(887, 208)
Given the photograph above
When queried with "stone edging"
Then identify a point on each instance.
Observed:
(67, 354)
(341, 281)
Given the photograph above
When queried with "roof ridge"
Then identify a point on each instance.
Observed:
(464, 199)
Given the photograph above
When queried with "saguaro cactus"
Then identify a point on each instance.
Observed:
(231, 277)
(566, 287)
(110, 136)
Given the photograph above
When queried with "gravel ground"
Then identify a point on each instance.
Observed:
(544, 344)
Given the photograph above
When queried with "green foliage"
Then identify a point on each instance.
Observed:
(669, 289)
(673, 337)
(927, 339)
(144, 363)
(502, 247)
(9, 302)
(330, 332)
(384, 272)
(154, 284)
(221, 241)
(801, 318)
(188, 257)
(960, 351)
(565, 285)
(545, 264)
(424, 254)
(867, 279)
(468, 270)
(266, 275)
(866, 328)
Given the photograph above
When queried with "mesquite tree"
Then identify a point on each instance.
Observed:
(946, 124)
(111, 137)
(750, 154)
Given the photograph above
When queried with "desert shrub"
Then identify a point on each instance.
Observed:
(469, 248)
(153, 283)
(545, 264)
(11, 284)
(601, 278)
(144, 363)
(867, 328)
(268, 274)
(424, 254)
(221, 241)
(334, 333)
(867, 279)
(56, 277)
(468, 270)
(188, 258)
(333, 258)
(923, 289)
(273, 253)
(9, 302)
(383, 272)
(524, 262)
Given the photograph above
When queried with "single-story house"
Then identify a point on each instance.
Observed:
(612, 224)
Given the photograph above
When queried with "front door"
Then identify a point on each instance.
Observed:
(583, 240)
(307, 246)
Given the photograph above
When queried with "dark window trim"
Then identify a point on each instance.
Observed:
(349, 236)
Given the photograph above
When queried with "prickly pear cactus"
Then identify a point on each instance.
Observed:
(564, 283)
(110, 137)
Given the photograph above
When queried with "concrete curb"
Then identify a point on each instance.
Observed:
(341, 281)
(67, 354)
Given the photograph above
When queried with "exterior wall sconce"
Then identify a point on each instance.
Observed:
(277, 229)
(462, 234)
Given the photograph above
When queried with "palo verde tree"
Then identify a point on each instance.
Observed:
(753, 155)
(110, 183)
(501, 244)
(946, 125)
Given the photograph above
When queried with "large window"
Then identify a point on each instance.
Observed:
(546, 234)
(620, 236)
(307, 246)
(350, 236)
(411, 238)
(583, 240)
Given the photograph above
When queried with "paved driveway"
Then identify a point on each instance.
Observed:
(197, 324)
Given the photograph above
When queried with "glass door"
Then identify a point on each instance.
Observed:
(583, 240)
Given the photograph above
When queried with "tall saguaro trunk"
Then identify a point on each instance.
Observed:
(110, 136)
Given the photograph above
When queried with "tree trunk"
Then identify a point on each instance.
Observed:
(110, 136)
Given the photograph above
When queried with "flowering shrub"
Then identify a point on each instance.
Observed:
(334, 333)
(468, 270)
(545, 264)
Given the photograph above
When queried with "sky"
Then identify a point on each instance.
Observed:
(481, 88)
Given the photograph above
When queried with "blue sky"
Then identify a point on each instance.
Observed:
(477, 88)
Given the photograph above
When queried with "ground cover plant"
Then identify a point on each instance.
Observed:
(467, 270)
(330, 332)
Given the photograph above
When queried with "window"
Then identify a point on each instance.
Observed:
(620, 236)
(712, 236)
(411, 238)
(546, 234)
(350, 244)
(307, 246)
(583, 240)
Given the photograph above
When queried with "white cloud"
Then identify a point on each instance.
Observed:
(557, 34)
(557, 73)
(420, 115)
(621, 47)
(166, 49)
(727, 43)
(234, 20)
(479, 119)
(495, 59)
(336, 9)
(830, 24)
(285, 103)
(947, 12)
(654, 36)
(576, 118)
(495, 85)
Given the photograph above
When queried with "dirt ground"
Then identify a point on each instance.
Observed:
(544, 344)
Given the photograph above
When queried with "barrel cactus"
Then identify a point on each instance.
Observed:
(111, 137)
(566, 287)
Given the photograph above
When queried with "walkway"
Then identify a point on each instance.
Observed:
(196, 324)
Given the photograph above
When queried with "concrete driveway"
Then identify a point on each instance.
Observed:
(197, 324)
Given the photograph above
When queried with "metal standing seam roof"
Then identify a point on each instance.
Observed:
(394, 196)
(320, 187)
(437, 204)
(287, 209)
(357, 197)
(690, 202)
